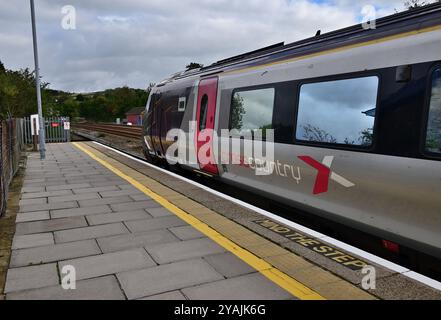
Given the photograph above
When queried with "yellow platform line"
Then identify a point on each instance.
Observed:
(280, 278)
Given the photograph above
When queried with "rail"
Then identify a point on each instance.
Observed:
(134, 132)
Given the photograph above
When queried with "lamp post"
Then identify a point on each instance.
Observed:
(41, 133)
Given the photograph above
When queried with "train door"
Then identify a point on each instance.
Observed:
(156, 128)
(205, 117)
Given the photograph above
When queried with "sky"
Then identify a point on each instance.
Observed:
(342, 116)
(258, 108)
(136, 42)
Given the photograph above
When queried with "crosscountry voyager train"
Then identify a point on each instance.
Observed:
(356, 115)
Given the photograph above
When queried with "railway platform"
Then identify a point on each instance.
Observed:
(122, 229)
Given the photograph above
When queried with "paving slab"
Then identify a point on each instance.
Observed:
(117, 217)
(127, 192)
(169, 277)
(24, 202)
(82, 211)
(105, 201)
(139, 197)
(104, 288)
(50, 225)
(187, 233)
(93, 174)
(87, 179)
(31, 277)
(53, 253)
(173, 295)
(96, 189)
(48, 206)
(249, 287)
(29, 179)
(135, 240)
(70, 186)
(184, 250)
(75, 197)
(109, 263)
(110, 182)
(32, 216)
(154, 224)
(124, 186)
(32, 240)
(229, 265)
(45, 184)
(135, 205)
(159, 212)
(46, 194)
(90, 232)
(32, 189)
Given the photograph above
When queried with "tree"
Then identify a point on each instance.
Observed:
(17, 93)
(194, 65)
(2, 67)
(69, 108)
(367, 137)
(238, 110)
(312, 133)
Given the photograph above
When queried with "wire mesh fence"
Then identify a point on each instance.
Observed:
(11, 133)
(15, 134)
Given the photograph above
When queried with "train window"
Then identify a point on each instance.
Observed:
(203, 113)
(252, 110)
(433, 139)
(338, 112)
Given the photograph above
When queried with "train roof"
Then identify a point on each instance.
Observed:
(406, 21)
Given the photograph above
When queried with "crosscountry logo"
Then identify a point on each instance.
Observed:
(324, 173)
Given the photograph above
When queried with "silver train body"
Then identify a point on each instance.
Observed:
(391, 187)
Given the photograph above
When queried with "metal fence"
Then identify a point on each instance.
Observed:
(57, 129)
(15, 134)
(11, 133)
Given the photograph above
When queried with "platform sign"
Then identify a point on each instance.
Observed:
(33, 131)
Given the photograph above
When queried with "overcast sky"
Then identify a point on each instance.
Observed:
(134, 42)
(341, 116)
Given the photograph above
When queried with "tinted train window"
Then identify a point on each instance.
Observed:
(252, 110)
(338, 112)
(433, 140)
(203, 114)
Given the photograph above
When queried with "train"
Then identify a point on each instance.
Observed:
(355, 116)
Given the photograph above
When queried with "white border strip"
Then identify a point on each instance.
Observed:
(346, 247)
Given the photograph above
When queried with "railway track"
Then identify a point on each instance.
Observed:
(134, 132)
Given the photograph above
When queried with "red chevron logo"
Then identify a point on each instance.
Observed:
(324, 173)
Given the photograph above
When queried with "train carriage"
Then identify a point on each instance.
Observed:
(356, 115)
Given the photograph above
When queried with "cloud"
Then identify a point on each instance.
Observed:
(135, 42)
(340, 105)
